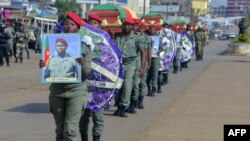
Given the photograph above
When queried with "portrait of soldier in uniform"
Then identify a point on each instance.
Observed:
(61, 66)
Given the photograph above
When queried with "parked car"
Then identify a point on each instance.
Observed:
(231, 35)
(223, 37)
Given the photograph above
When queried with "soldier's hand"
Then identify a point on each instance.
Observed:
(141, 72)
(147, 68)
(81, 61)
(41, 64)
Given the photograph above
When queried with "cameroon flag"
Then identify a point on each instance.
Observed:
(46, 51)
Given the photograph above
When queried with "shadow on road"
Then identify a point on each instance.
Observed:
(31, 108)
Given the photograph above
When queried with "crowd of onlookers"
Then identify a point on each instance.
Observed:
(15, 37)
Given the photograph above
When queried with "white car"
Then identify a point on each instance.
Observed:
(231, 35)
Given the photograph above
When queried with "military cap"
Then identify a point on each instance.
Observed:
(143, 24)
(129, 21)
(74, 17)
(94, 17)
(137, 21)
(61, 40)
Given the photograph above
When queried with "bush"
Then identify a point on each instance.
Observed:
(244, 37)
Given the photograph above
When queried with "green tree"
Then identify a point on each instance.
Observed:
(67, 5)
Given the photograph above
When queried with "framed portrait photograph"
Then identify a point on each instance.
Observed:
(59, 53)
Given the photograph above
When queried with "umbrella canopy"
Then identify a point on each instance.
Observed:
(151, 18)
(177, 20)
(129, 13)
(110, 6)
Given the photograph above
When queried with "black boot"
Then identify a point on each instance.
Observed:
(165, 79)
(140, 102)
(159, 88)
(153, 91)
(107, 106)
(28, 56)
(117, 112)
(123, 112)
(84, 137)
(96, 138)
(149, 91)
(131, 108)
(16, 60)
(181, 66)
(21, 59)
(175, 69)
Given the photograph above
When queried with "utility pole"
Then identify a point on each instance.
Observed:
(144, 7)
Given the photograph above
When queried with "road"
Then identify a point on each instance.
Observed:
(24, 110)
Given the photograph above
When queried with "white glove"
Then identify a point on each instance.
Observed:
(88, 40)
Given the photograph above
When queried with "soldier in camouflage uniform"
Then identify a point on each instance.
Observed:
(98, 116)
(198, 44)
(130, 46)
(20, 44)
(66, 100)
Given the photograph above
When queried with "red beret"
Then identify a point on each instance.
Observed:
(95, 17)
(61, 40)
(7, 23)
(144, 25)
(137, 21)
(129, 21)
(157, 26)
(74, 17)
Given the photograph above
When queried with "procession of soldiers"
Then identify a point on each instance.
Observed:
(144, 74)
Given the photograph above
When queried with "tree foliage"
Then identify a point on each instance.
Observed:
(67, 5)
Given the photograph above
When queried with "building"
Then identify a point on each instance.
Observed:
(171, 7)
(199, 9)
(237, 7)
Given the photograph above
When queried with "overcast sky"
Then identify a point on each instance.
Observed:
(217, 3)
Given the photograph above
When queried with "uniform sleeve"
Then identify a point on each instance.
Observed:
(161, 44)
(141, 42)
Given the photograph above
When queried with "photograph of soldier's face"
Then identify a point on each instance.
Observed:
(61, 48)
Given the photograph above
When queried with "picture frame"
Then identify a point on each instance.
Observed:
(59, 53)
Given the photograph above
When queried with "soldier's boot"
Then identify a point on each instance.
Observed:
(198, 57)
(21, 59)
(84, 137)
(117, 112)
(131, 108)
(136, 104)
(140, 102)
(107, 106)
(186, 64)
(153, 91)
(175, 69)
(164, 79)
(149, 91)
(159, 88)
(181, 66)
(123, 112)
(96, 138)
(16, 60)
(28, 56)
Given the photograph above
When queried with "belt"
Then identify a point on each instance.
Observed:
(128, 59)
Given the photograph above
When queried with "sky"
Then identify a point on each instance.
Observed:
(217, 3)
